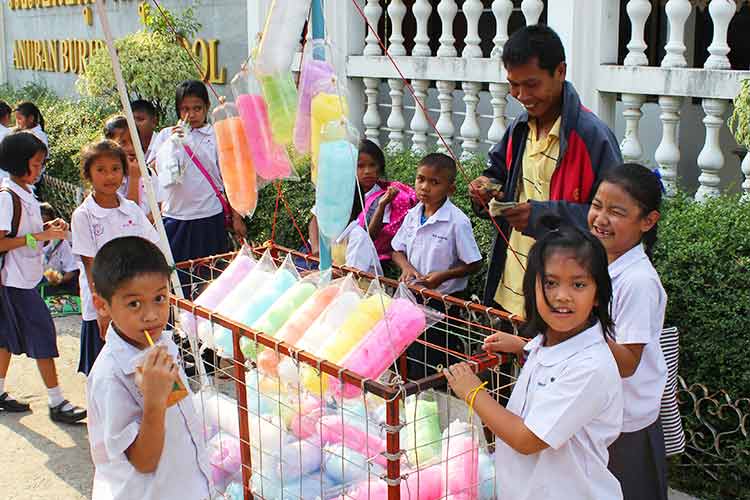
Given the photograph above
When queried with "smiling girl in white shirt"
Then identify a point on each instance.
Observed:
(566, 407)
(623, 215)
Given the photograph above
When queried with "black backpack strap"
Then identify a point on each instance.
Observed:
(16, 220)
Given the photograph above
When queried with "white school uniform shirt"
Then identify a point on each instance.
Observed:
(3, 132)
(639, 303)
(23, 267)
(94, 226)
(444, 241)
(193, 197)
(115, 406)
(570, 396)
(142, 198)
(360, 250)
(41, 135)
(58, 255)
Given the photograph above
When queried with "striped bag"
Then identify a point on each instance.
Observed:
(674, 436)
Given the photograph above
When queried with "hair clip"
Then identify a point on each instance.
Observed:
(657, 173)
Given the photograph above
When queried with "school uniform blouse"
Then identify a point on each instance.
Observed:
(23, 267)
(444, 241)
(570, 396)
(193, 197)
(94, 226)
(638, 306)
(360, 250)
(115, 406)
(58, 255)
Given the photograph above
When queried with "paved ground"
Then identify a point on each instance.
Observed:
(41, 460)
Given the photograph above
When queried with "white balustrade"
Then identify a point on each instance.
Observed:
(631, 147)
(532, 11)
(721, 12)
(421, 11)
(498, 101)
(502, 10)
(373, 11)
(419, 124)
(470, 127)
(472, 11)
(371, 119)
(746, 172)
(445, 125)
(396, 121)
(447, 10)
(638, 12)
(396, 13)
(677, 13)
(711, 158)
(667, 155)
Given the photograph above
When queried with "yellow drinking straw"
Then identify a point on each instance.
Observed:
(148, 337)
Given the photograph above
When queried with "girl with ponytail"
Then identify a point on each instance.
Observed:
(623, 216)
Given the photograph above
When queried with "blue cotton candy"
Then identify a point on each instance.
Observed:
(486, 476)
(337, 170)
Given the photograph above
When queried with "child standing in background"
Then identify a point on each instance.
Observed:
(28, 117)
(623, 216)
(60, 266)
(194, 216)
(566, 406)
(26, 326)
(103, 216)
(435, 247)
(146, 121)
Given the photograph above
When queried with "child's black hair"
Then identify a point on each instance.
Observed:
(371, 149)
(644, 186)
(4, 109)
(145, 106)
(16, 149)
(94, 150)
(442, 162)
(590, 254)
(27, 109)
(537, 42)
(113, 124)
(123, 259)
(192, 88)
(48, 211)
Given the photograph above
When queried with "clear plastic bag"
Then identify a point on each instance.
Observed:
(171, 160)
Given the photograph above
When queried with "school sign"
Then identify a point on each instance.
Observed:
(50, 41)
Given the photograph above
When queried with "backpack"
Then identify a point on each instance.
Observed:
(401, 204)
(15, 220)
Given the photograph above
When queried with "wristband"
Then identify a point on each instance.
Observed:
(472, 396)
(31, 241)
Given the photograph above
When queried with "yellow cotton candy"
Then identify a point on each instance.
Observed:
(359, 322)
(323, 109)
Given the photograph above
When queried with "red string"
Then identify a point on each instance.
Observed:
(432, 124)
(275, 212)
(299, 231)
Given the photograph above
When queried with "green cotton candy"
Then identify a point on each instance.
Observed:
(273, 319)
(281, 98)
(423, 436)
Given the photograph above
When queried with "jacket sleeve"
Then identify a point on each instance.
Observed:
(497, 169)
(606, 155)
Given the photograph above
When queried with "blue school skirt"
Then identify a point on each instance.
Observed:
(195, 239)
(26, 326)
(91, 346)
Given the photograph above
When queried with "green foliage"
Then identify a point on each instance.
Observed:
(170, 25)
(69, 123)
(703, 259)
(739, 122)
(152, 66)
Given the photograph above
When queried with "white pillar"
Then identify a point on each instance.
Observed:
(346, 29)
(373, 11)
(667, 155)
(532, 10)
(638, 12)
(587, 49)
(631, 147)
(711, 158)
(746, 172)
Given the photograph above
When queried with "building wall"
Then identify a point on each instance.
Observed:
(53, 39)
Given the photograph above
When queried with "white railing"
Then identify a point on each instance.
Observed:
(466, 93)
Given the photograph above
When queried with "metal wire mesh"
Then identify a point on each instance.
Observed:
(284, 434)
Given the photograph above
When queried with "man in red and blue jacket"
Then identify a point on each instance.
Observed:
(581, 147)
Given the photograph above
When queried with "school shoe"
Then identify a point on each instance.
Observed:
(11, 405)
(69, 416)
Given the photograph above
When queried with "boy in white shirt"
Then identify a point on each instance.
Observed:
(435, 247)
(141, 445)
(60, 265)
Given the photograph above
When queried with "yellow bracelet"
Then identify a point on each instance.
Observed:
(472, 396)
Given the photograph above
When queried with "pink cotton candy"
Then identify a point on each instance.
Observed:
(403, 323)
(461, 453)
(270, 159)
(420, 485)
(335, 431)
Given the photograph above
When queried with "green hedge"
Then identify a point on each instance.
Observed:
(70, 124)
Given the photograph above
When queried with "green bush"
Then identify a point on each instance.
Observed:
(69, 123)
